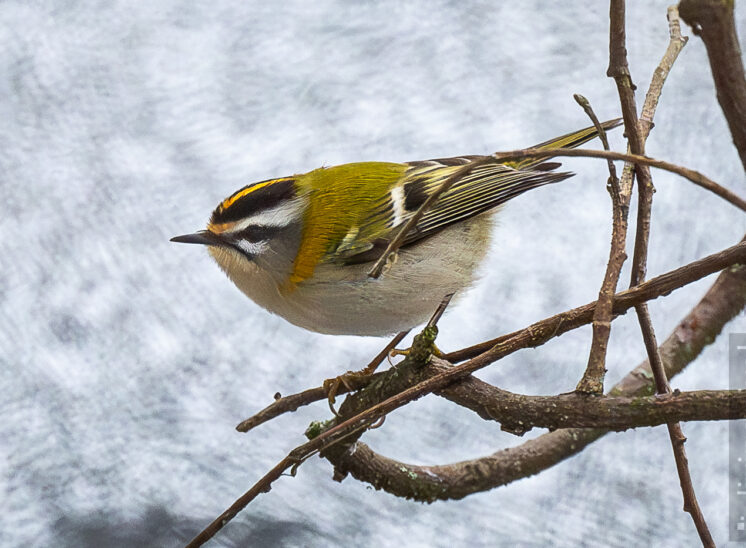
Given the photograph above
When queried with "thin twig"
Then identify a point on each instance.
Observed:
(641, 131)
(398, 240)
(261, 486)
(383, 354)
(652, 289)
(694, 176)
(544, 330)
(592, 381)
(639, 266)
(288, 404)
(675, 45)
(646, 190)
(613, 179)
(440, 310)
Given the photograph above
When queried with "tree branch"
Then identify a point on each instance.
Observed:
(518, 413)
(675, 45)
(613, 181)
(559, 324)
(454, 481)
(694, 176)
(713, 21)
(539, 332)
(593, 377)
(639, 268)
(722, 302)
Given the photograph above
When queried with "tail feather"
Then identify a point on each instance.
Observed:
(569, 140)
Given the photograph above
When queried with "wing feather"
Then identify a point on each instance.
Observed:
(484, 188)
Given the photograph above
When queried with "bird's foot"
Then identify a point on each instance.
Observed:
(435, 351)
(351, 381)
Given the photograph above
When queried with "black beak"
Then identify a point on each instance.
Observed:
(204, 237)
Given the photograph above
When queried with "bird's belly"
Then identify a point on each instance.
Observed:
(348, 302)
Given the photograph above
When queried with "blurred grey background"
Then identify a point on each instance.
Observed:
(126, 361)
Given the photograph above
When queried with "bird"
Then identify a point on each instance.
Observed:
(302, 246)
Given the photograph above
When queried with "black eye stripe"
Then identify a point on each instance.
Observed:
(256, 233)
(264, 197)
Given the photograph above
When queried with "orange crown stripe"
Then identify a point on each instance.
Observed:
(248, 190)
(219, 228)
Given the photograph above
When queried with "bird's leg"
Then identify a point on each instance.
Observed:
(432, 323)
(354, 377)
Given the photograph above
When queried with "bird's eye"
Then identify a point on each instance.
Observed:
(257, 233)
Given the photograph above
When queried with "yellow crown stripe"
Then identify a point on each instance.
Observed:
(248, 190)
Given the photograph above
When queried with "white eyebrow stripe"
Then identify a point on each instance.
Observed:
(280, 215)
(397, 200)
(252, 248)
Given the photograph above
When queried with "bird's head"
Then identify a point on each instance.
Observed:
(257, 226)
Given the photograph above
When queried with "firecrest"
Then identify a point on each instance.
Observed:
(302, 246)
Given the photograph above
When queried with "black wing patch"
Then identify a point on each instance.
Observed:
(415, 194)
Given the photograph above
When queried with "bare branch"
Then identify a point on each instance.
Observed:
(725, 299)
(639, 267)
(675, 45)
(694, 176)
(713, 21)
(690, 174)
(640, 133)
(518, 413)
(290, 403)
(566, 321)
(327, 441)
(593, 377)
(539, 332)
(323, 436)
(613, 181)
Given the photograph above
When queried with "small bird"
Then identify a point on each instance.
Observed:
(302, 246)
